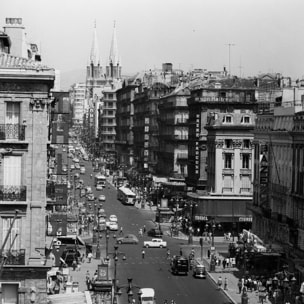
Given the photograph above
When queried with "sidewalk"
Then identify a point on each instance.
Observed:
(232, 291)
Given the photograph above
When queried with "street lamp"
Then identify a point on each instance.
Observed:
(213, 225)
(129, 289)
(191, 204)
(115, 256)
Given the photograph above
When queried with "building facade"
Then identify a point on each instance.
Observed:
(173, 134)
(25, 97)
(77, 97)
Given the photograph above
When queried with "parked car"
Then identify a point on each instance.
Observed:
(99, 187)
(76, 160)
(127, 239)
(155, 243)
(91, 197)
(77, 166)
(102, 198)
(113, 218)
(113, 226)
(154, 232)
(72, 167)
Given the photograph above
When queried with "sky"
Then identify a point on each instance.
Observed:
(265, 36)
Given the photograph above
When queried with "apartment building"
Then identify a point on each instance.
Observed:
(25, 98)
(77, 96)
(173, 134)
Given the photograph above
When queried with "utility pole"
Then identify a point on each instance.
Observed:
(240, 67)
(229, 46)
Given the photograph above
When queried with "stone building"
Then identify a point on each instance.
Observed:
(173, 134)
(25, 85)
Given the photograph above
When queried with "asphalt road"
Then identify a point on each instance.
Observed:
(152, 271)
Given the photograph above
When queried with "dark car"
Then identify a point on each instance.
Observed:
(155, 232)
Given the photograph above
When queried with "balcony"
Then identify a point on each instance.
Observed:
(13, 257)
(12, 193)
(12, 132)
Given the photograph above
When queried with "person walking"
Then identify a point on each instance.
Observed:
(90, 255)
(168, 254)
(180, 252)
(240, 284)
(144, 229)
(219, 282)
(121, 231)
(74, 264)
(143, 254)
(225, 284)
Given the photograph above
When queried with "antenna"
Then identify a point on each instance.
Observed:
(229, 46)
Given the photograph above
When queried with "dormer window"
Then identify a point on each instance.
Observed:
(245, 119)
(227, 119)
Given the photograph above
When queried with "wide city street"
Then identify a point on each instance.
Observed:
(154, 269)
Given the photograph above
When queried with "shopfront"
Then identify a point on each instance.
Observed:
(229, 211)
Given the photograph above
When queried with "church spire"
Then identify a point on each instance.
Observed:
(114, 58)
(94, 55)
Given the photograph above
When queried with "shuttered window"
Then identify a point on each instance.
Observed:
(12, 171)
(13, 241)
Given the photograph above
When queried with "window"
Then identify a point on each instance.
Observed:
(227, 183)
(227, 119)
(245, 119)
(9, 293)
(246, 143)
(245, 161)
(246, 183)
(228, 143)
(228, 161)
(12, 113)
(13, 241)
(110, 104)
(12, 171)
(110, 96)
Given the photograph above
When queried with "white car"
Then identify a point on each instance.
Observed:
(76, 160)
(113, 218)
(112, 226)
(99, 187)
(155, 243)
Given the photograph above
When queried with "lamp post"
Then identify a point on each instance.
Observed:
(213, 225)
(191, 204)
(129, 287)
(115, 256)
(176, 202)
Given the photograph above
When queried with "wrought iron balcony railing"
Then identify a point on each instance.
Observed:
(13, 257)
(12, 131)
(12, 193)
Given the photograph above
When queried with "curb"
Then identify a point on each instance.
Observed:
(222, 290)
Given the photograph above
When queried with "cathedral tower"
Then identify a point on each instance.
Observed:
(113, 69)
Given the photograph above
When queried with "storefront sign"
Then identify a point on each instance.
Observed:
(245, 219)
(201, 218)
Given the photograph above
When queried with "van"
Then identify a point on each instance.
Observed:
(179, 265)
(146, 296)
(82, 170)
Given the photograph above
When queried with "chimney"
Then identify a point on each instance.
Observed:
(16, 31)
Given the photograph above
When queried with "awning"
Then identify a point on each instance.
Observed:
(70, 298)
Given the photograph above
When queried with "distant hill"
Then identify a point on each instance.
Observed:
(67, 79)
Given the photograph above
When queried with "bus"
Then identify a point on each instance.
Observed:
(100, 180)
(126, 196)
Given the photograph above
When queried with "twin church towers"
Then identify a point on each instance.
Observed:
(113, 66)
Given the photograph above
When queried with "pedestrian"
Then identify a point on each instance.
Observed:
(91, 175)
(192, 252)
(90, 255)
(225, 284)
(219, 282)
(74, 264)
(240, 285)
(143, 254)
(180, 252)
(144, 229)
(224, 263)
(78, 266)
(82, 258)
(168, 254)
(121, 231)
(140, 232)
